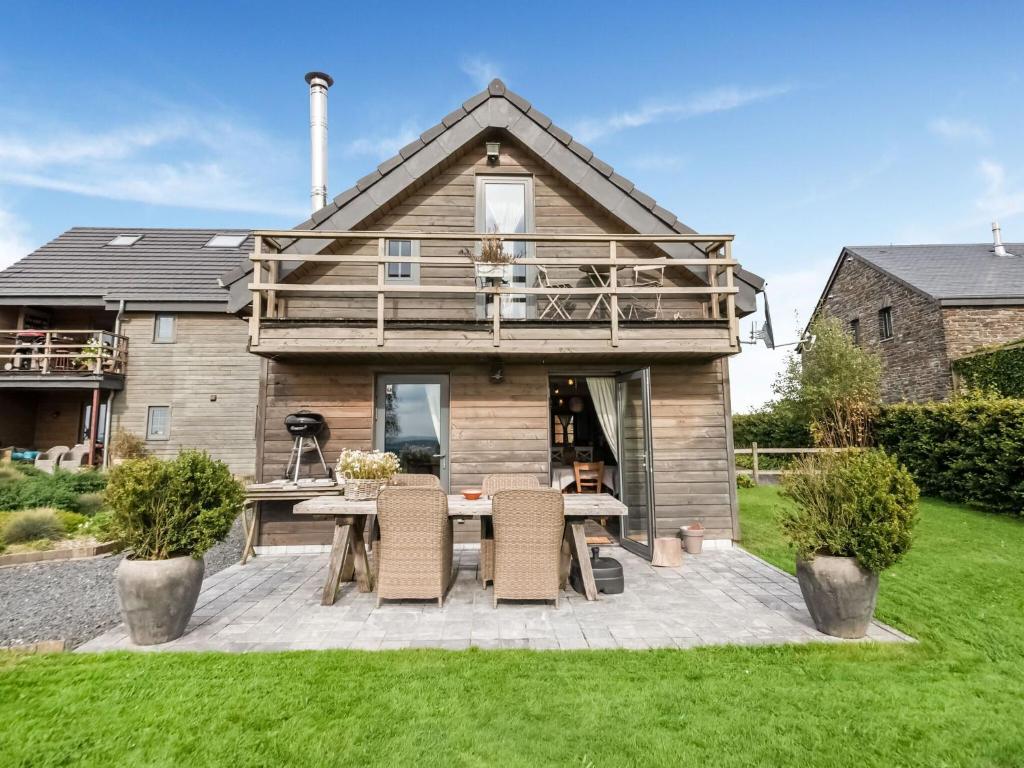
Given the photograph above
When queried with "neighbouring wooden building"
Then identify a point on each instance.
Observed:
(922, 307)
(131, 325)
(608, 336)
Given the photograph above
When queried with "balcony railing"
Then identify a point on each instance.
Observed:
(603, 294)
(62, 353)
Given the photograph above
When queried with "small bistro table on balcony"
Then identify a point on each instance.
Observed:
(350, 521)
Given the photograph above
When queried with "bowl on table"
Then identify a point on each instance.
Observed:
(472, 494)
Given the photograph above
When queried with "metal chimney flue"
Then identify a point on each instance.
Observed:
(319, 82)
(997, 240)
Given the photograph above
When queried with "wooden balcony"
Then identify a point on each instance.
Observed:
(62, 359)
(572, 295)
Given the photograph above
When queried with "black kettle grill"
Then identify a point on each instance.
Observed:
(304, 426)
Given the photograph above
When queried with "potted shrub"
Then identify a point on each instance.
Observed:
(493, 262)
(167, 514)
(126, 445)
(365, 472)
(853, 517)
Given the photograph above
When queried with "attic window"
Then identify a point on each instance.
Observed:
(125, 240)
(225, 241)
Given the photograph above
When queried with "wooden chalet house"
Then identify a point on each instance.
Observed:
(605, 337)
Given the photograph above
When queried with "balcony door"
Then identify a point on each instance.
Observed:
(636, 476)
(411, 421)
(505, 206)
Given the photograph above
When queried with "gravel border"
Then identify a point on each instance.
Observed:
(74, 600)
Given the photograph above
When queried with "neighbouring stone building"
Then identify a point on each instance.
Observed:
(921, 307)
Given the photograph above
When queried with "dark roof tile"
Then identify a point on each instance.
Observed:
(411, 148)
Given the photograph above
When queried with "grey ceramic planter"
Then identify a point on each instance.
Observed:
(840, 594)
(158, 597)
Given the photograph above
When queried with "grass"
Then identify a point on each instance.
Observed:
(953, 699)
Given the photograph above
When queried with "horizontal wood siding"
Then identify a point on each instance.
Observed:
(691, 455)
(447, 203)
(208, 358)
(17, 419)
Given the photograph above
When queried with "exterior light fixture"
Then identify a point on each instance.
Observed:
(493, 152)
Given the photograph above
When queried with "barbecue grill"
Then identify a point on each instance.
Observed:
(304, 426)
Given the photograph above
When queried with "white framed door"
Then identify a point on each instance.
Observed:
(411, 415)
(636, 461)
(504, 205)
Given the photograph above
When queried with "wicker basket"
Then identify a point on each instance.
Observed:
(361, 490)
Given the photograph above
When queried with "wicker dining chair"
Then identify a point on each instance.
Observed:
(414, 481)
(528, 532)
(414, 555)
(491, 485)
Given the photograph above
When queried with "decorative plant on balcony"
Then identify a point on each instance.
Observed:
(365, 472)
(492, 260)
(89, 354)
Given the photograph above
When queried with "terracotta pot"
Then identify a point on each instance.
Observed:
(158, 597)
(693, 539)
(840, 594)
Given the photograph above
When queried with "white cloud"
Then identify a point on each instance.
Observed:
(175, 158)
(480, 70)
(708, 102)
(14, 243)
(792, 296)
(957, 129)
(381, 147)
(1001, 199)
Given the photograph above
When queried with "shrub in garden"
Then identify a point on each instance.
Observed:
(163, 509)
(744, 481)
(856, 503)
(90, 503)
(99, 526)
(32, 524)
(61, 490)
(969, 450)
(127, 445)
(72, 521)
(999, 370)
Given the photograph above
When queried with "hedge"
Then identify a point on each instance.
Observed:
(970, 450)
(1000, 371)
(769, 429)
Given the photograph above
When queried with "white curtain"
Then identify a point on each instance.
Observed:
(602, 392)
(434, 404)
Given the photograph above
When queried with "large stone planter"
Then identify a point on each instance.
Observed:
(840, 594)
(158, 597)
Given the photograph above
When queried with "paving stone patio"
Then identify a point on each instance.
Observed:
(719, 597)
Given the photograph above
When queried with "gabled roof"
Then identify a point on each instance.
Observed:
(498, 108)
(164, 267)
(970, 273)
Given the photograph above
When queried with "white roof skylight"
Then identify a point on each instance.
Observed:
(125, 240)
(225, 241)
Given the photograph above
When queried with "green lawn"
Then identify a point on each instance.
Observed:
(953, 699)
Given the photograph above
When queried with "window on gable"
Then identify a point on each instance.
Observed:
(855, 330)
(885, 323)
(158, 422)
(403, 271)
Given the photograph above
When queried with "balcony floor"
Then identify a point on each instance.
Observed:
(719, 597)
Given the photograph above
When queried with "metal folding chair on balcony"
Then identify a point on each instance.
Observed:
(557, 303)
(640, 307)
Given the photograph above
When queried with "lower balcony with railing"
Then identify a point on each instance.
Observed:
(58, 358)
(368, 293)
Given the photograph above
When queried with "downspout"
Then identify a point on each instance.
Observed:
(110, 397)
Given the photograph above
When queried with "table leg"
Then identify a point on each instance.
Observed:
(340, 548)
(249, 519)
(578, 547)
(364, 581)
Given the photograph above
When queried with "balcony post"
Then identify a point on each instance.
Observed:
(716, 311)
(381, 272)
(496, 340)
(730, 300)
(94, 420)
(613, 282)
(47, 348)
(257, 293)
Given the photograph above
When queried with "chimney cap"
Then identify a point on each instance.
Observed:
(311, 76)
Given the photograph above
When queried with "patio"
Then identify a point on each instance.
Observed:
(722, 596)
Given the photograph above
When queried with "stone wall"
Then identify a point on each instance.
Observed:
(968, 328)
(914, 360)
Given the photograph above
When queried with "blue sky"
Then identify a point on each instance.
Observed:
(799, 127)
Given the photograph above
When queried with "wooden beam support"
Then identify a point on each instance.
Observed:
(381, 244)
(613, 284)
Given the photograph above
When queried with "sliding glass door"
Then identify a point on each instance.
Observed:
(412, 422)
(636, 479)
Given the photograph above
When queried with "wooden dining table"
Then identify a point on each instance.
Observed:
(348, 556)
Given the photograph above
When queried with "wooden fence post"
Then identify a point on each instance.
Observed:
(753, 456)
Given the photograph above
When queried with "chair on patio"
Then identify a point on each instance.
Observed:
(528, 532)
(47, 460)
(414, 481)
(75, 459)
(558, 304)
(414, 554)
(646, 277)
(491, 485)
(589, 476)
